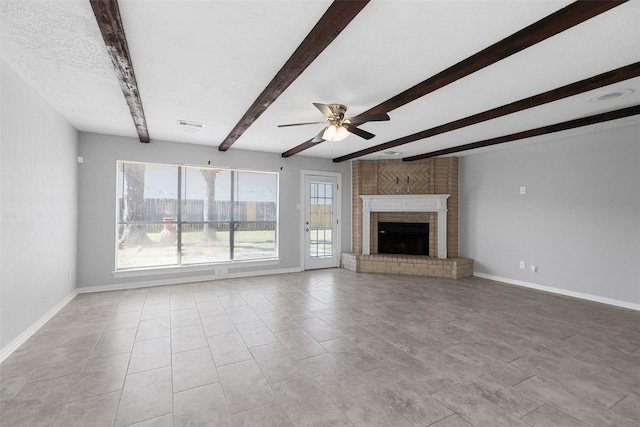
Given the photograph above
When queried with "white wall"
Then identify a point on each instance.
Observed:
(97, 211)
(579, 220)
(39, 207)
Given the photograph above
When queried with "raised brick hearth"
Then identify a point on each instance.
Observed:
(413, 265)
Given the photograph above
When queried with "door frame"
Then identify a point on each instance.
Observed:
(337, 207)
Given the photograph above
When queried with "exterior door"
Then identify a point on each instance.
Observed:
(321, 221)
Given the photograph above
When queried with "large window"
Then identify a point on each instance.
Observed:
(181, 215)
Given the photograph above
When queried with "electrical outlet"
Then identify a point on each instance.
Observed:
(522, 265)
(534, 268)
(523, 190)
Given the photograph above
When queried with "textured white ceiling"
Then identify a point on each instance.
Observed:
(57, 48)
(207, 61)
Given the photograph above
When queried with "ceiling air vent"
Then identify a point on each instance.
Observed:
(608, 96)
(190, 127)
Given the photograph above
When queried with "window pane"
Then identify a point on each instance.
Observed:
(255, 195)
(147, 193)
(153, 245)
(255, 215)
(254, 240)
(206, 194)
(202, 243)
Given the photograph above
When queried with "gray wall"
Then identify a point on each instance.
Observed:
(39, 207)
(96, 244)
(579, 220)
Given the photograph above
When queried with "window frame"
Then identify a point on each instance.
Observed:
(234, 222)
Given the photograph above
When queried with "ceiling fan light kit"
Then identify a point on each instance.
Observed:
(339, 127)
(335, 133)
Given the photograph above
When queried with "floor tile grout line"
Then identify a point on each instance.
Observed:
(558, 408)
(453, 411)
(146, 419)
(520, 382)
(453, 414)
(623, 398)
(533, 410)
(126, 372)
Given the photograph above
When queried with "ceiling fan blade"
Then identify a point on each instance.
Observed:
(361, 133)
(318, 137)
(369, 118)
(301, 124)
(325, 110)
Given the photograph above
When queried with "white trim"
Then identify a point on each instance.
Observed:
(301, 213)
(405, 203)
(181, 280)
(560, 291)
(215, 268)
(20, 339)
(350, 209)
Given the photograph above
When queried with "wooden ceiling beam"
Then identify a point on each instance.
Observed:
(541, 30)
(334, 20)
(298, 148)
(558, 127)
(107, 15)
(565, 18)
(595, 82)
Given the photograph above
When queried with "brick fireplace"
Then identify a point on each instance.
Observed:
(424, 191)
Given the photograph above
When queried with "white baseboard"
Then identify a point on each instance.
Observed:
(560, 291)
(20, 339)
(180, 280)
(145, 284)
(264, 272)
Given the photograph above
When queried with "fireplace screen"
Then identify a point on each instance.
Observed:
(409, 238)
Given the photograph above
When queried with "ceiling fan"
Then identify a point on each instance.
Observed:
(339, 127)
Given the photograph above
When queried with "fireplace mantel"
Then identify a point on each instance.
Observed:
(405, 203)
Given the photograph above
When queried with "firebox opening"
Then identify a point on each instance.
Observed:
(408, 238)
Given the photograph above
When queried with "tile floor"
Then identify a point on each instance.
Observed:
(330, 348)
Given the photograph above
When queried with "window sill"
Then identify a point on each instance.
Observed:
(219, 269)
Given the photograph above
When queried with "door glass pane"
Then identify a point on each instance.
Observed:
(321, 220)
